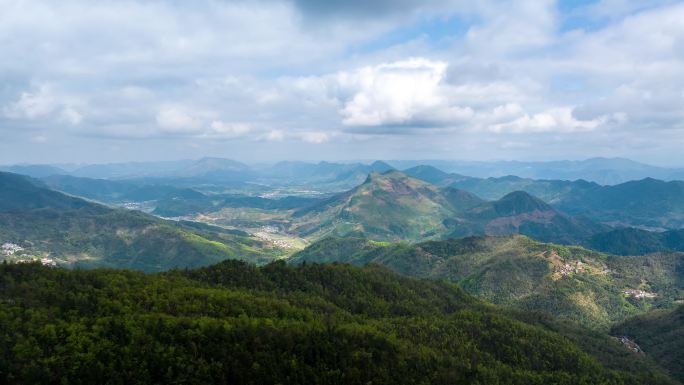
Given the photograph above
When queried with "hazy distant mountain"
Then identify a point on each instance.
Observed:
(603, 171)
(568, 282)
(131, 169)
(437, 177)
(341, 176)
(34, 170)
(75, 232)
(215, 168)
(631, 241)
(116, 191)
(323, 175)
(495, 188)
(647, 203)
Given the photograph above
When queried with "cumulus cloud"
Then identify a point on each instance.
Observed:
(315, 137)
(177, 120)
(410, 92)
(220, 129)
(32, 104)
(553, 120)
(43, 102)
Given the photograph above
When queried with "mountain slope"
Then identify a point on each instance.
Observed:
(75, 232)
(661, 335)
(647, 203)
(234, 323)
(631, 241)
(568, 282)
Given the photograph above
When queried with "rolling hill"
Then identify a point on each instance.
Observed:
(73, 232)
(335, 324)
(567, 281)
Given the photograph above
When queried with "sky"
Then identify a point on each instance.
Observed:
(263, 80)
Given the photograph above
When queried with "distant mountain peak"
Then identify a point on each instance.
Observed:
(381, 166)
(519, 202)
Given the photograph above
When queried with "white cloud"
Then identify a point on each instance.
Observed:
(273, 136)
(39, 139)
(410, 92)
(315, 137)
(553, 120)
(175, 119)
(220, 129)
(32, 104)
(71, 116)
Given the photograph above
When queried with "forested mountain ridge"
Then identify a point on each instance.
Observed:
(581, 285)
(335, 324)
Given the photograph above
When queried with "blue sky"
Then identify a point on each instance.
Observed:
(263, 80)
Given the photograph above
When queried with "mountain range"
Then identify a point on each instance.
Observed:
(393, 206)
(604, 171)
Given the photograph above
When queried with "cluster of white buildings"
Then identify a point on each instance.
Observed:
(10, 248)
(568, 268)
(636, 293)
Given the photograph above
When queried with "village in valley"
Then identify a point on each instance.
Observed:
(14, 253)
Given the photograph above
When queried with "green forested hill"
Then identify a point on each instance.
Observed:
(631, 241)
(661, 335)
(568, 282)
(648, 202)
(74, 232)
(235, 323)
